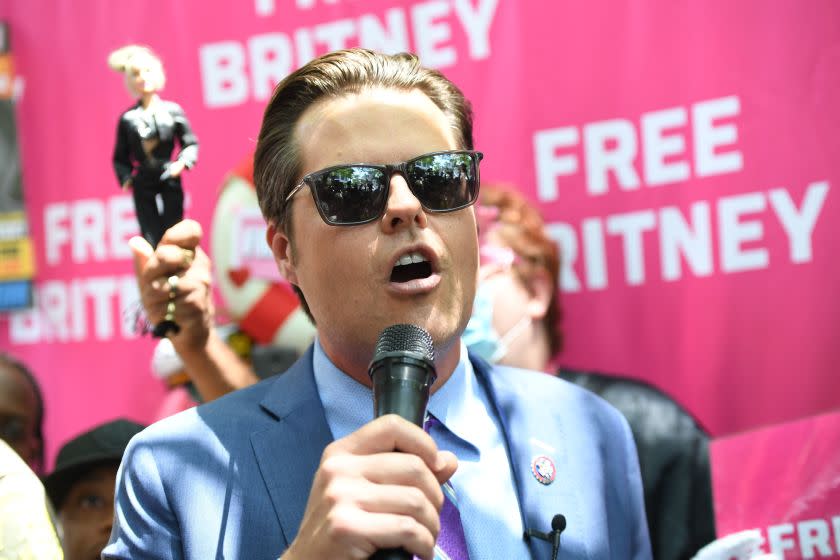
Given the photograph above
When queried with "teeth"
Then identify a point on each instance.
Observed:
(411, 258)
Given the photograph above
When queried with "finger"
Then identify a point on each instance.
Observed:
(186, 234)
(448, 465)
(141, 251)
(407, 501)
(165, 261)
(378, 531)
(191, 298)
(393, 469)
(389, 433)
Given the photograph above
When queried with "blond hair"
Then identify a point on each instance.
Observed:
(130, 57)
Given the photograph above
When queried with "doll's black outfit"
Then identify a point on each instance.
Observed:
(146, 139)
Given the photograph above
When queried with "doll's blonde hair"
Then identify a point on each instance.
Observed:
(128, 58)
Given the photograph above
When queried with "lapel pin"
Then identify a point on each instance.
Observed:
(542, 467)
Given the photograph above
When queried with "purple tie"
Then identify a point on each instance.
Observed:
(451, 544)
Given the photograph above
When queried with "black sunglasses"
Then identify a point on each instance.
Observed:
(357, 193)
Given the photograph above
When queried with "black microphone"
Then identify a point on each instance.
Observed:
(558, 525)
(402, 372)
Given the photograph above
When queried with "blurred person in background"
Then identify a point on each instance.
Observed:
(26, 525)
(21, 412)
(516, 321)
(27, 529)
(82, 486)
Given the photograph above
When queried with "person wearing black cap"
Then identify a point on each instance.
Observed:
(82, 486)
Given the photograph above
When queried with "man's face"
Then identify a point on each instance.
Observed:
(345, 272)
(18, 415)
(87, 513)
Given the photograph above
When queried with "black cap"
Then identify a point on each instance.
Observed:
(102, 444)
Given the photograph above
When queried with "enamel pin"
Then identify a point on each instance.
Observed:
(542, 467)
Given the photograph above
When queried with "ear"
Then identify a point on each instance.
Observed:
(281, 247)
(541, 290)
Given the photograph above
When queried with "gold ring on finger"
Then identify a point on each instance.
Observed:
(172, 282)
(187, 257)
(170, 311)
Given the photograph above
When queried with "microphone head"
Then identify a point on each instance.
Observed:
(405, 338)
(558, 523)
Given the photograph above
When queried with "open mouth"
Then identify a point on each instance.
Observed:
(411, 266)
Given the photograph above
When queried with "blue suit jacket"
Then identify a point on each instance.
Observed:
(230, 479)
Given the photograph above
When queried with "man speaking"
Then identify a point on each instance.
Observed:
(366, 174)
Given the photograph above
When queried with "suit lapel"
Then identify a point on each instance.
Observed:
(289, 451)
(525, 441)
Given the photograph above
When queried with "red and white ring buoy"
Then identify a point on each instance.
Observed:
(254, 293)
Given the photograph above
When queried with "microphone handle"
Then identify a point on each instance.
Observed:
(391, 554)
(400, 386)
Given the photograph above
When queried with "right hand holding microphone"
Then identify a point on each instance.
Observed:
(377, 488)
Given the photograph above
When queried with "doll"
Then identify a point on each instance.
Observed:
(146, 140)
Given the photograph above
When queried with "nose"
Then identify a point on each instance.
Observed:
(403, 208)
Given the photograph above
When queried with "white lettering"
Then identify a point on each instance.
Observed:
(61, 311)
(56, 310)
(335, 34)
(676, 238)
(658, 146)
(88, 223)
(271, 61)
(594, 253)
(476, 24)
(56, 230)
(223, 73)
(304, 45)
(96, 230)
(600, 158)
(799, 226)
(101, 291)
(631, 227)
(24, 326)
(566, 239)
(708, 137)
(687, 240)
(611, 146)
(835, 523)
(550, 165)
(264, 7)
(813, 534)
(779, 538)
(429, 34)
(374, 35)
(734, 232)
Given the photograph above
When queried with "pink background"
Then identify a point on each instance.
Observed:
(784, 474)
(740, 349)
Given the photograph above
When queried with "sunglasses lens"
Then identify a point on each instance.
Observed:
(444, 182)
(349, 195)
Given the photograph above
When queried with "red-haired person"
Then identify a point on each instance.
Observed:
(516, 322)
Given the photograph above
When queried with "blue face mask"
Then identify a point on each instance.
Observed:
(481, 337)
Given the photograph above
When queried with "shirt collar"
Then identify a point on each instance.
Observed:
(348, 404)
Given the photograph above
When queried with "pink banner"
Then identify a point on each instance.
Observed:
(785, 481)
(684, 154)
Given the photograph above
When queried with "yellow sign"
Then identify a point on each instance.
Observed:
(16, 261)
